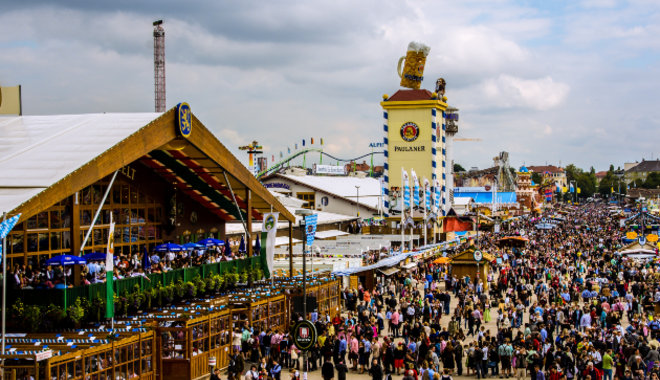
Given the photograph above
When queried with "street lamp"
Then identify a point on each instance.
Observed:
(303, 213)
(357, 201)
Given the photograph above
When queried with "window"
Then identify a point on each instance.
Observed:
(309, 198)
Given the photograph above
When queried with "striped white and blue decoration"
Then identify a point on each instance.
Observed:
(406, 189)
(444, 165)
(7, 226)
(434, 143)
(415, 181)
(427, 194)
(436, 201)
(386, 167)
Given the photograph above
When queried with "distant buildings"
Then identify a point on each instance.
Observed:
(552, 173)
(639, 171)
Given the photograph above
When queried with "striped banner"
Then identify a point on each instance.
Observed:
(415, 187)
(406, 189)
(427, 194)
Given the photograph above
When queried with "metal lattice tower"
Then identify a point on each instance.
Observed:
(159, 65)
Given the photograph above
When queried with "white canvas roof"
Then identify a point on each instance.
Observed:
(329, 234)
(38, 151)
(344, 186)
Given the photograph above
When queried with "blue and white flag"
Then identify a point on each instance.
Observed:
(310, 228)
(572, 189)
(415, 187)
(7, 226)
(436, 190)
(406, 189)
(427, 194)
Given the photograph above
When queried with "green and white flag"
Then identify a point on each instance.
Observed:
(268, 236)
(109, 272)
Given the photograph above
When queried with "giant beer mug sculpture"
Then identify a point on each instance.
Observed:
(413, 68)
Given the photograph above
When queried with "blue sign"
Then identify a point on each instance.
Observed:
(310, 228)
(184, 119)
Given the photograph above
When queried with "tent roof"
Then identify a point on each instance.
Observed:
(342, 186)
(38, 151)
(487, 196)
(47, 158)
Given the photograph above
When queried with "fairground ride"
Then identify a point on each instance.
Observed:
(286, 161)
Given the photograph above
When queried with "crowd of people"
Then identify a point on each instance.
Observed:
(125, 265)
(565, 305)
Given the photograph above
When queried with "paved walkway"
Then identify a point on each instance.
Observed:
(492, 326)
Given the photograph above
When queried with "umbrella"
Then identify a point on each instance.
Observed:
(257, 247)
(441, 260)
(169, 247)
(66, 260)
(241, 246)
(210, 242)
(95, 256)
(227, 248)
(146, 261)
(191, 246)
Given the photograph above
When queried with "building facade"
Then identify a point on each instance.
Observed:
(414, 137)
(167, 179)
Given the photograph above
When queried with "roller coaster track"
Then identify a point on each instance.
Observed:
(281, 163)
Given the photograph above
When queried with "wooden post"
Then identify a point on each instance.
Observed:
(290, 250)
(248, 195)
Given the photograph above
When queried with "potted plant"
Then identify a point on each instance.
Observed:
(76, 313)
(190, 290)
(53, 316)
(32, 317)
(210, 284)
(179, 289)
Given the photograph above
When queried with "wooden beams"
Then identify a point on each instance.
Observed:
(248, 222)
(206, 142)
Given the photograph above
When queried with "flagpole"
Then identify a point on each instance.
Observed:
(402, 212)
(412, 209)
(4, 295)
(425, 195)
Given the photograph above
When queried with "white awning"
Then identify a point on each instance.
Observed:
(388, 271)
(409, 266)
(284, 240)
(329, 234)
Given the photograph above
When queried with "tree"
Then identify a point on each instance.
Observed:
(536, 177)
(652, 181)
(572, 173)
(458, 168)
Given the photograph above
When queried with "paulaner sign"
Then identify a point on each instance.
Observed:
(420, 148)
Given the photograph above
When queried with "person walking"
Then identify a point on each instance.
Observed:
(342, 369)
(328, 370)
(376, 371)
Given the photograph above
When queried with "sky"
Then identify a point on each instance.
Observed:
(551, 82)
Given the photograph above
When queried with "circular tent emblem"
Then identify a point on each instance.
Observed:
(409, 131)
(304, 335)
(477, 255)
(184, 119)
(269, 222)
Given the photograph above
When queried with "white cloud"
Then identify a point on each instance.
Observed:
(509, 91)
(294, 70)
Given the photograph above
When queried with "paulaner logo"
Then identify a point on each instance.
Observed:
(409, 132)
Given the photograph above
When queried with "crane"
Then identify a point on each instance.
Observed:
(466, 139)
